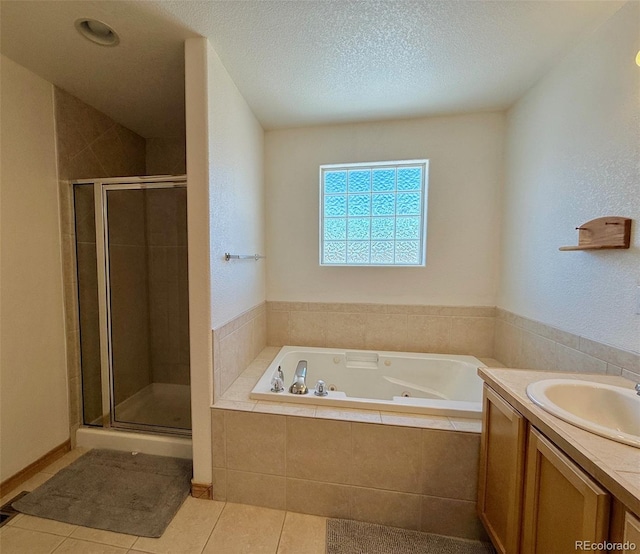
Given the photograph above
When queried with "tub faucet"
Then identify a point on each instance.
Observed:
(638, 389)
(299, 385)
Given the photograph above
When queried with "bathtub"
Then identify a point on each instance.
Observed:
(436, 384)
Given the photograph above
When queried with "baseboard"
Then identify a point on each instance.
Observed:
(28, 472)
(202, 490)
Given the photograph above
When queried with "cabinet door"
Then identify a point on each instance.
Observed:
(501, 476)
(631, 533)
(562, 504)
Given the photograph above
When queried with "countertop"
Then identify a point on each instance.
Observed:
(614, 465)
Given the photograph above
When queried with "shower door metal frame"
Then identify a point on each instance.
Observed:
(100, 188)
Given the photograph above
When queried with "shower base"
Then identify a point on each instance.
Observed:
(158, 404)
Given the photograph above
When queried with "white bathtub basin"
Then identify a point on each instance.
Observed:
(606, 410)
(437, 384)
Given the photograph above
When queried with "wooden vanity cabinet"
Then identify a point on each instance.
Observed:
(562, 504)
(631, 534)
(501, 475)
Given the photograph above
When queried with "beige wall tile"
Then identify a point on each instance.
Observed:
(75, 546)
(386, 457)
(287, 306)
(414, 420)
(386, 507)
(219, 484)
(303, 534)
(218, 438)
(277, 328)
(613, 370)
(450, 464)
(256, 489)
(472, 335)
(345, 330)
(318, 450)
(569, 359)
(308, 328)
(508, 343)
(429, 334)
(243, 529)
(454, 518)
(255, 442)
(348, 414)
(538, 352)
(386, 331)
(321, 499)
(610, 354)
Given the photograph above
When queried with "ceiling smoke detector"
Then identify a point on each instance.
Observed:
(97, 31)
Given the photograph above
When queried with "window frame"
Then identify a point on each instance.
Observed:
(393, 164)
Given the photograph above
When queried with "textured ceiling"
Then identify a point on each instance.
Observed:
(302, 62)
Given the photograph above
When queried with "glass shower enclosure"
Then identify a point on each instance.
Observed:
(133, 300)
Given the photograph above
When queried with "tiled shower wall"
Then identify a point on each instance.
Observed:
(89, 144)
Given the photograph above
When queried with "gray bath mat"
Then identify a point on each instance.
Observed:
(355, 537)
(115, 491)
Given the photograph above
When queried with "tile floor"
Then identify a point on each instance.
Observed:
(200, 526)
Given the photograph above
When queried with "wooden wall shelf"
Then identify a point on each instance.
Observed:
(603, 233)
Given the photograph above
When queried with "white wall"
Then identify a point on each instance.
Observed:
(200, 339)
(34, 416)
(236, 146)
(573, 155)
(465, 155)
(225, 214)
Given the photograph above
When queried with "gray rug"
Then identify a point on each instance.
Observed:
(115, 491)
(355, 537)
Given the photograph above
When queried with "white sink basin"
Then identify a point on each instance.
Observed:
(606, 410)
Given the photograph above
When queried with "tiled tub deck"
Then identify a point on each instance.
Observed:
(406, 470)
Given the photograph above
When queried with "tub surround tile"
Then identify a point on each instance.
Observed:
(466, 424)
(255, 442)
(319, 450)
(571, 360)
(429, 334)
(386, 457)
(308, 329)
(386, 507)
(386, 332)
(539, 353)
(283, 408)
(238, 405)
(219, 484)
(421, 421)
(450, 464)
(320, 499)
(454, 518)
(348, 414)
(472, 336)
(257, 489)
(345, 330)
(218, 438)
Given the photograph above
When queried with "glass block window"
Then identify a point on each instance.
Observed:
(373, 214)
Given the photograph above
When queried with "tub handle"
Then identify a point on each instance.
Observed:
(321, 388)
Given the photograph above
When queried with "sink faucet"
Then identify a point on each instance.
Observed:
(299, 385)
(638, 389)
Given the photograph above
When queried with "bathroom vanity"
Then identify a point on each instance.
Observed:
(545, 484)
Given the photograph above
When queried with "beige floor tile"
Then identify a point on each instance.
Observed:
(68, 458)
(75, 546)
(103, 537)
(246, 529)
(303, 534)
(14, 540)
(189, 530)
(43, 525)
(29, 485)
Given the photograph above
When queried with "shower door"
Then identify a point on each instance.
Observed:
(142, 294)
